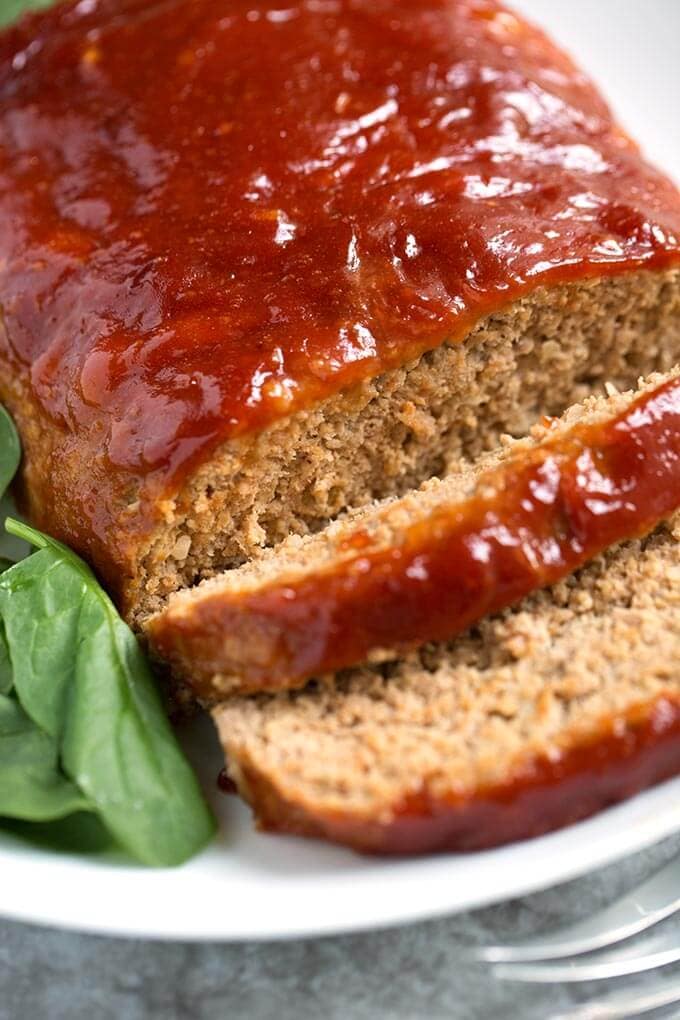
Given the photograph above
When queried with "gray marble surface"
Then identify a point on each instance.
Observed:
(412, 973)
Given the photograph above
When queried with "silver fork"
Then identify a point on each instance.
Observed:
(625, 1005)
(583, 951)
(647, 904)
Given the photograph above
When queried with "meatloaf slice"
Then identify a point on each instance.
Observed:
(428, 565)
(258, 268)
(534, 719)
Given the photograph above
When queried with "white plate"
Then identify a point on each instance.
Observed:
(251, 886)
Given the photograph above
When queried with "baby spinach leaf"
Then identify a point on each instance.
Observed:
(32, 787)
(41, 598)
(10, 450)
(81, 677)
(11, 9)
(6, 680)
(80, 833)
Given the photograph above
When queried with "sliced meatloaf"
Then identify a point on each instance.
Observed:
(536, 718)
(259, 266)
(428, 565)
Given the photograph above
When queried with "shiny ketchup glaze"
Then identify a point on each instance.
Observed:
(531, 521)
(213, 213)
(631, 753)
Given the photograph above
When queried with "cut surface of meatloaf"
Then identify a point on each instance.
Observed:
(538, 717)
(256, 269)
(428, 565)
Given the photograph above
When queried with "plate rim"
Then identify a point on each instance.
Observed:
(566, 855)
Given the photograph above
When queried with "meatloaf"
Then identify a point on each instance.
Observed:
(536, 718)
(260, 265)
(430, 564)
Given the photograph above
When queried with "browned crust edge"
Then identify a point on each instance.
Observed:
(624, 756)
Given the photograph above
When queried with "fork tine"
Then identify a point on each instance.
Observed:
(653, 952)
(625, 1005)
(650, 902)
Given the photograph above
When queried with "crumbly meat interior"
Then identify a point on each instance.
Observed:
(545, 352)
(466, 715)
(383, 525)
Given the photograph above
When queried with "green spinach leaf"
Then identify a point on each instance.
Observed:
(6, 678)
(81, 677)
(10, 450)
(80, 833)
(11, 9)
(32, 787)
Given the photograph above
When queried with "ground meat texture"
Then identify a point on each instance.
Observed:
(428, 565)
(537, 717)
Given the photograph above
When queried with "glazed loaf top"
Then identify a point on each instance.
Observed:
(213, 214)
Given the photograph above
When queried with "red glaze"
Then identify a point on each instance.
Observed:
(550, 510)
(629, 754)
(214, 213)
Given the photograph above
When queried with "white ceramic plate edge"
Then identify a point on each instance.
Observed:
(196, 902)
